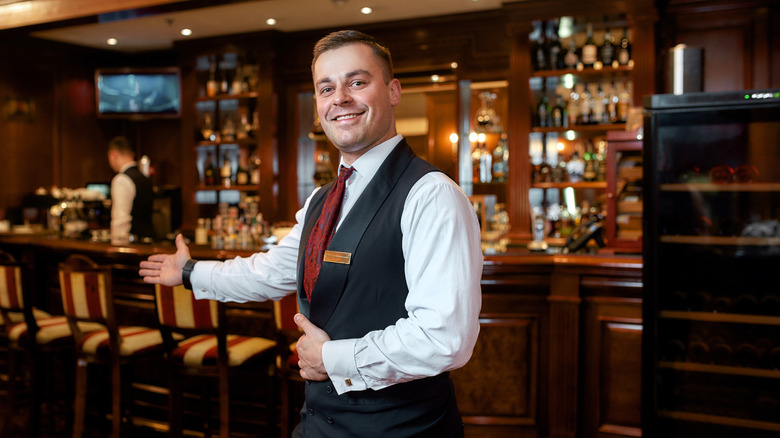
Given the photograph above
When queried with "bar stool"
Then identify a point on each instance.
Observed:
(31, 334)
(205, 349)
(87, 298)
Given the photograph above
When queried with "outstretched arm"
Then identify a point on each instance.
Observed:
(166, 269)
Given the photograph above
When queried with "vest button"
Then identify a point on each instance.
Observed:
(330, 420)
(329, 389)
(311, 411)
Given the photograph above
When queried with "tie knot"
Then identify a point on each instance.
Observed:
(345, 173)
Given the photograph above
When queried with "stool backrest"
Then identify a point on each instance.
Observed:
(87, 294)
(178, 308)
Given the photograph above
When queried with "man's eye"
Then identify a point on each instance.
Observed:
(326, 90)
(357, 83)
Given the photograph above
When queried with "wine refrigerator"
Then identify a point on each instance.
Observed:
(711, 254)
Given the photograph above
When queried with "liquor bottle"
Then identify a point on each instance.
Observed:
(558, 113)
(539, 50)
(601, 160)
(597, 103)
(589, 49)
(624, 102)
(555, 51)
(542, 170)
(224, 82)
(501, 159)
(624, 49)
(543, 111)
(210, 172)
(576, 167)
(566, 224)
(228, 128)
(573, 107)
(612, 101)
(559, 173)
(211, 83)
(226, 173)
(607, 51)
(485, 164)
(586, 105)
(570, 59)
(590, 165)
(254, 169)
(207, 128)
(236, 85)
(242, 174)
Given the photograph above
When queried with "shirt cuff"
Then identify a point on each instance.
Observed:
(339, 360)
(201, 280)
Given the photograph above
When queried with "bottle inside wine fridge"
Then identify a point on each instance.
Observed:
(708, 363)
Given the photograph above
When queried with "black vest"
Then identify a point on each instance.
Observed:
(141, 222)
(350, 300)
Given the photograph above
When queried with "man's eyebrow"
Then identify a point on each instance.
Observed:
(327, 79)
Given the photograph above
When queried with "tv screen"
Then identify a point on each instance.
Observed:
(138, 93)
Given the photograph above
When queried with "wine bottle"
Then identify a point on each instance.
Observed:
(543, 111)
(590, 168)
(539, 50)
(570, 59)
(607, 51)
(501, 159)
(226, 173)
(589, 49)
(721, 352)
(542, 170)
(254, 169)
(242, 175)
(210, 172)
(586, 105)
(559, 173)
(558, 113)
(573, 107)
(211, 83)
(576, 167)
(698, 351)
(555, 51)
(624, 49)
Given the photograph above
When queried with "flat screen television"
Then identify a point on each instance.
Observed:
(138, 93)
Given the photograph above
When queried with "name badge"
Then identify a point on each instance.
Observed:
(339, 257)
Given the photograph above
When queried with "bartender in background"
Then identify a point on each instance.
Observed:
(132, 195)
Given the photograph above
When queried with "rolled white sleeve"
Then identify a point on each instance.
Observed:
(443, 265)
(122, 195)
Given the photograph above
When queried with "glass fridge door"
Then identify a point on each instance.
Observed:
(711, 260)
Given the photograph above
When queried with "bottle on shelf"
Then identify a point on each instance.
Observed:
(589, 174)
(207, 128)
(573, 107)
(571, 58)
(228, 128)
(558, 115)
(601, 160)
(211, 83)
(242, 174)
(485, 164)
(589, 49)
(624, 101)
(612, 101)
(542, 170)
(236, 85)
(597, 104)
(226, 172)
(210, 172)
(559, 173)
(254, 169)
(623, 55)
(576, 167)
(501, 159)
(554, 48)
(607, 50)
(224, 82)
(586, 105)
(539, 49)
(543, 110)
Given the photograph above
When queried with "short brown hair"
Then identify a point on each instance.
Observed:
(121, 144)
(343, 38)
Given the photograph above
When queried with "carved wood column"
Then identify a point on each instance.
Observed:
(563, 382)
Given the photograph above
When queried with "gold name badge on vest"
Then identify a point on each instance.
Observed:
(339, 257)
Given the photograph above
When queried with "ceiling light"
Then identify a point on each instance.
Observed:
(186, 32)
(454, 65)
(111, 41)
(366, 10)
(270, 21)
(434, 78)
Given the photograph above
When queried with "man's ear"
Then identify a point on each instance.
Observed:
(394, 88)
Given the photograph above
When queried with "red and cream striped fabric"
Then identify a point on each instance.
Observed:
(284, 311)
(11, 287)
(202, 350)
(135, 340)
(84, 294)
(177, 307)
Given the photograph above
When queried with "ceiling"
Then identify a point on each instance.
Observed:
(155, 32)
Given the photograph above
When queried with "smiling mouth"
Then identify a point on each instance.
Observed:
(346, 117)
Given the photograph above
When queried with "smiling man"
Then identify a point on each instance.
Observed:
(386, 263)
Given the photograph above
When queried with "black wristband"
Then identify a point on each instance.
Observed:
(185, 273)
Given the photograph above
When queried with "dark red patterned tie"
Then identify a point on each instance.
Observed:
(323, 231)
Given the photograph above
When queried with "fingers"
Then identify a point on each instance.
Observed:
(303, 323)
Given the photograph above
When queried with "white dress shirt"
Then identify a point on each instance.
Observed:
(122, 195)
(443, 266)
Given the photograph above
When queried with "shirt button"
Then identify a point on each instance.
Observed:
(329, 389)
(330, 420)
(311, 411)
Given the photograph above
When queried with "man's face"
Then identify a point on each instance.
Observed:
(354, 104)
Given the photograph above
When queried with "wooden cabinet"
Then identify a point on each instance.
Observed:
(624, 191)
(526, 85)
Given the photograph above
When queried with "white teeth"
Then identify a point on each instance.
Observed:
(348, 116)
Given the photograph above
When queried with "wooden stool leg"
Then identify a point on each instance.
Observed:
(224, 403)
(174, 406)
(81, 398)
(116, 399)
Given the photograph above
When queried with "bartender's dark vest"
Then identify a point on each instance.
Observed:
(141, 223)
(350, 300)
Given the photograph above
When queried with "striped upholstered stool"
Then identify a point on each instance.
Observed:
(87, 298)
(207, 350)
(30, 334)
(287, 362)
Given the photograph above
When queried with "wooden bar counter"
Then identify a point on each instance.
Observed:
(558, 353)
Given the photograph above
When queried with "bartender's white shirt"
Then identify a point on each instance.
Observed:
(443, 266)
(122, 195)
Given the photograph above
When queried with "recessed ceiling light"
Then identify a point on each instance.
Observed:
(270, 21)
(186, 32)
(111, 41)
(366, 10)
